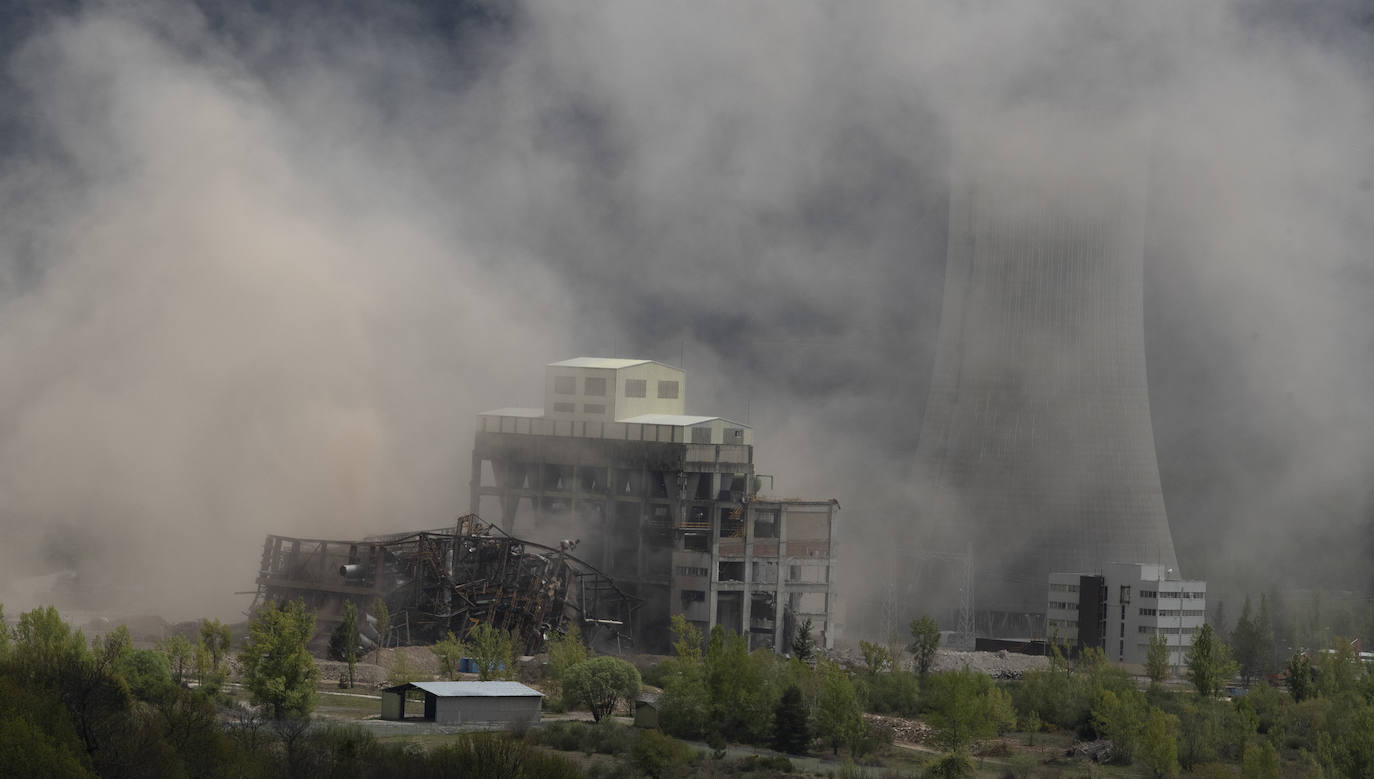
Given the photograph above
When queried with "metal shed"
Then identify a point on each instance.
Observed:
(480, 704)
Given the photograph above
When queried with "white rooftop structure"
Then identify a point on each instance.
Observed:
(615, 397)
(606, 363)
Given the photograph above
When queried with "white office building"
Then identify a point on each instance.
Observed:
(1119, 608)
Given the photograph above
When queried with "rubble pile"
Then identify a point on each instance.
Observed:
(910, 731)
(998, 665)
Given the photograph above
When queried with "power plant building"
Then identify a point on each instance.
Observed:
(1120, 608)
(612, 468)
(1036, 450)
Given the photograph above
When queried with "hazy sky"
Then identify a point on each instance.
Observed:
(259, 267)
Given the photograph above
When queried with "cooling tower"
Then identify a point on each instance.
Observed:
(1036, 450)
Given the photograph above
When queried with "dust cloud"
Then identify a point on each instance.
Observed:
(259, 267)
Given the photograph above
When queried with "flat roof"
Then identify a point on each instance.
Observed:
(470, 689)
(681, 420)
(514, 411)
(614, 363)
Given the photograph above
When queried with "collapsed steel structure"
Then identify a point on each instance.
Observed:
(452, 579)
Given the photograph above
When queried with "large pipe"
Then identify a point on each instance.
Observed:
(353, 570)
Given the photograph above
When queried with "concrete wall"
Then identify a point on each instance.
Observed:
(651, 373)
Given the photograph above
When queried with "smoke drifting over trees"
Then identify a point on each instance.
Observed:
(260, 266)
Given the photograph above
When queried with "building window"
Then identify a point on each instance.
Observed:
(734, 435)
(565, 385)
(593, 408)
(1147, 612)
(594, 386)
(565, 407)
(701, 435)
(636, 388)
(690, 570)
(668, 390)
(766, 524)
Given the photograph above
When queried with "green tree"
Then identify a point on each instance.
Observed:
(401, 672)
(1209, 662)
(180, 655)
(791, 728)
(217, 639)
(1338, 670)
(685, 707)
(839, 719)
(687, 639)
(877, 658)
(600, 683)
(42, 639)
(1121, 718)
(348, 639)
(278, 671)
(211, 654)
(925, 640)
(1157, 658)
(1248, 644)
(803, 644)
(492, 651)
(1261, 761)
(1264, 628)
(450, 652)
(1300, 677)
(4, 634)
(383, 617)
(565, 651)
(964, 706)
(1159, 743)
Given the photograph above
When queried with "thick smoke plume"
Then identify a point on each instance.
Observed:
(260, 268)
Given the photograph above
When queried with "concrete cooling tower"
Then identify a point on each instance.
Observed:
(1036, 450)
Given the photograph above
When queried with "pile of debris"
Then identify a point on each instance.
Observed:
(999, 665)
(1099, 751)
(435, 582)
(910, 731)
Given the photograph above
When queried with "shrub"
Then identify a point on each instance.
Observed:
(659, 756)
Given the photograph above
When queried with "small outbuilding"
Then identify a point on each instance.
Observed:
(646, 710)
(479, 704)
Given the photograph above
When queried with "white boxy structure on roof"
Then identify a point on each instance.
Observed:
(479, 704)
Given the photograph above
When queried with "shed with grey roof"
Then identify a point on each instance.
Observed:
(479, 704)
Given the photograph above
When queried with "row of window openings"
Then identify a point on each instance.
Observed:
(596, 387)
(1172, 594)
(1063, 587)
(1172, 612)
(762, 573)
(1147, 629)
(562, 478)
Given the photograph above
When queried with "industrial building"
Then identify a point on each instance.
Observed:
(444, 581)
(1036, 450)
(476, 704)
(664, 502)
(1119, 608)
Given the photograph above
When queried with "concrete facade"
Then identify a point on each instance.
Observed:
(664, 502)
(1135, 601)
